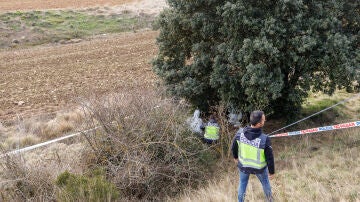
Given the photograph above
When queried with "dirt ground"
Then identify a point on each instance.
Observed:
(6, 5)
(45, 79)
(151, 7)
(48, 78)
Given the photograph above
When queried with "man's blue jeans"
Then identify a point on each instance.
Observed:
(264, 179)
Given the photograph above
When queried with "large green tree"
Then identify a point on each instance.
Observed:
(251, 54)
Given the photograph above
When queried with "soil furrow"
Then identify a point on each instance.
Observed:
(48, 78)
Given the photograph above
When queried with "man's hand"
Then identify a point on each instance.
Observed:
(271, 176)
(236, 161)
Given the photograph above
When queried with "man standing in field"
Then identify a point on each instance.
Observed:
(253, 154)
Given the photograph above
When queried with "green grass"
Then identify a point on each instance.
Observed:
(341, 113)
(52, 26)
(85, 188)
(314, 106)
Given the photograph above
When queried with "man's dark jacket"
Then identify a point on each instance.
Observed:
(251, 134)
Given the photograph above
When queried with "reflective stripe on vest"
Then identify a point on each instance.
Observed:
(250, 153)
(211, 132)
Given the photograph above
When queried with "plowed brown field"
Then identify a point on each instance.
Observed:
(47, 78)
(10, 5)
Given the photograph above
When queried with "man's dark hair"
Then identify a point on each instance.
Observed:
(255, 117)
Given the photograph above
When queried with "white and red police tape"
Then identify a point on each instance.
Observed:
(300, 132)
(46, 143)
(319, 129)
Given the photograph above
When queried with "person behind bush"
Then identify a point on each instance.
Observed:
(212, 129)
(196, 123)
(253, 154)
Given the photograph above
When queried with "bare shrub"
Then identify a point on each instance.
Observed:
(227, 131)
(24, 183)
(31, 177)
(144, 145)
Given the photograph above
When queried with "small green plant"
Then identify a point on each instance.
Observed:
(85, 188)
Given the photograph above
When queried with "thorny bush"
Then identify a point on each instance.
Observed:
(24, 182)
(144, 145)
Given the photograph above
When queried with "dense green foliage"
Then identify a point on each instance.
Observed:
(258, 54)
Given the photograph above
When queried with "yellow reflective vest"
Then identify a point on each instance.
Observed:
(212, 132)
(251, 153)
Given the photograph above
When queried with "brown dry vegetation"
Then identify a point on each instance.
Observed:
(31, 177)
(45, 4)
(46, 78)
(26, 132)
(143, 146)
(147, 150)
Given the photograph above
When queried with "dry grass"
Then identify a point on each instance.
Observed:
(19, 141)
(62, 124)
(219, 190)
(35, 130)
(24, 183)
(313, 168)
(348, 111)
(31, 177)
(323, 169)
(3, 131)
